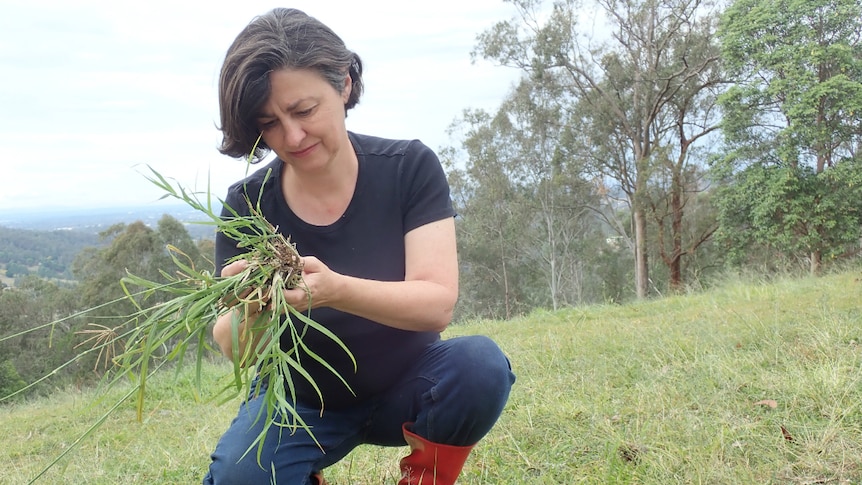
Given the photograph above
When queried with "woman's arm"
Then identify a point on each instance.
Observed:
(222, 330)
(424, 301)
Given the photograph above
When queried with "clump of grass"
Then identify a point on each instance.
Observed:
(172, 318)
(167, 329)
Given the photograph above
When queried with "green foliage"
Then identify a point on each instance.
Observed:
(530, 250)
(34, 349)
(493, 272)
(799, 65)
(50, 253)
(133, 247)
(47, 355)
(792, 210)
(173, 234)
(15, 270)
(793, 124)
(10, 381)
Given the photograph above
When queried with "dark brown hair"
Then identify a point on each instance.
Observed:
(281, 38)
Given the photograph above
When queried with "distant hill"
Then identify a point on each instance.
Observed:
(46, 241)
(49, 254)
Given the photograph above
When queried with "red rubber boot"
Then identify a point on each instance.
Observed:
(431, 463)
(317, 479)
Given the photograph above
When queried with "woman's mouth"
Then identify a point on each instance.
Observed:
(304, 152)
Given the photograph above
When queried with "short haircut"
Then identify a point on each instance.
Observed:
(282, 38)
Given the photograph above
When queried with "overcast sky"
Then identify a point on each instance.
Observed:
(93, 91)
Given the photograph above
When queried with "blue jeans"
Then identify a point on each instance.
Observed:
(454, 393)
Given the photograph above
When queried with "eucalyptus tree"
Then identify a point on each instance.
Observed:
(26, 344)
(173, 233)
(628, 85)
(127, 249)
(491, 221)
(130, 248)
(526, 200)
(692, 119)
(556, 194)
(793, 124)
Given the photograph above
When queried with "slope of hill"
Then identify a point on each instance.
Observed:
(747, 383)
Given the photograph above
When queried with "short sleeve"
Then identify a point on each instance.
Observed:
(425, 197)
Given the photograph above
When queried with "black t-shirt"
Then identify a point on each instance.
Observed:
(400, 186)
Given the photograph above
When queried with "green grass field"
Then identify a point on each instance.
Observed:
(745, 384)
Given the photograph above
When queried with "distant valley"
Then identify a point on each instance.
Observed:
(45, 242)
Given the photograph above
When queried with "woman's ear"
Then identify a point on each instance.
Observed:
(348, 87)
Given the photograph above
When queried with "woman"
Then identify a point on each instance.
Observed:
(374, 222)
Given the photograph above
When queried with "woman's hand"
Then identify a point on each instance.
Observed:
(318, 286)
(222, 330)
(422, 302)
(234, 268)
(231, 300)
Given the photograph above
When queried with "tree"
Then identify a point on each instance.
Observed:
(642, 92)
(490, 221)
(172, 233)
(130, 249)
(133, 248)
(31, 304)
(550, 177)
(47, 253)
(10, 380)
(40, 348)
(522, 199)
(793, 125)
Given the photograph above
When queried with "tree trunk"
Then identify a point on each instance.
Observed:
(816, 261)
(675, 266)
(641, 263)
(506, 294)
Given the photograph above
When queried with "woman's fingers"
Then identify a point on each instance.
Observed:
(234, 268)
(230, 300)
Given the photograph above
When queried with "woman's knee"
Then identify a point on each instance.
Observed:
(482, 365)
(481, 376)
(472, 391)
(230, 467)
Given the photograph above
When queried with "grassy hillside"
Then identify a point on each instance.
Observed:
(744, 384)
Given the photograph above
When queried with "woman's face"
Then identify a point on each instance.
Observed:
(302, 121)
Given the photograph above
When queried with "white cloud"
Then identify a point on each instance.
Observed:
(93, 89)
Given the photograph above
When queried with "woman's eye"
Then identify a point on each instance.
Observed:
(305, 112)
(265, 125)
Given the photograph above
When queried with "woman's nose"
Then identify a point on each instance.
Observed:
(294, 133)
